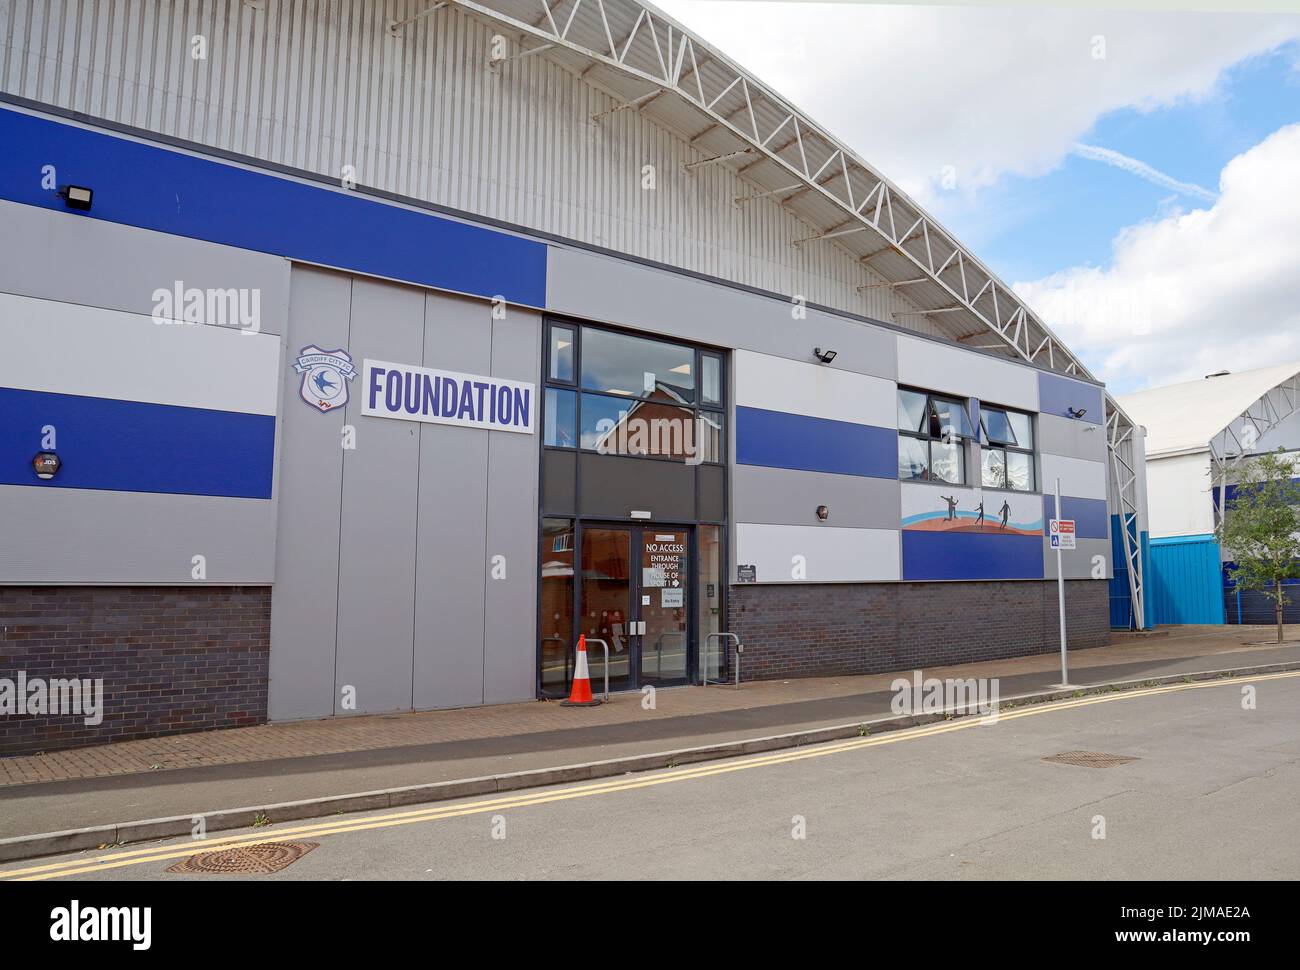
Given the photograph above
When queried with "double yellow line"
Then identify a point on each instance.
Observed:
(135, 857)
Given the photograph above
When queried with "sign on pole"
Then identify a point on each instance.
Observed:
(1062, 533)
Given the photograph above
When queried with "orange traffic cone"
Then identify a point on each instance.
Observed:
(580, 695)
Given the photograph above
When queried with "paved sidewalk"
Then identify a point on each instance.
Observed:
(284, 762)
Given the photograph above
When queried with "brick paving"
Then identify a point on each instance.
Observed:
(303, 739)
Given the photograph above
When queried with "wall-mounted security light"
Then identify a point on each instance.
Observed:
(77, 197)
(823, 512)
(1076, 414)
(825, 356)
(46, 464)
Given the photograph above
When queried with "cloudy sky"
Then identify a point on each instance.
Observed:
(1136, 176)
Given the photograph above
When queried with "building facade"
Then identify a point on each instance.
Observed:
(1198, 434)
(348, 369)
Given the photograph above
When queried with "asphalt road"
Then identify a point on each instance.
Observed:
(1211, 794)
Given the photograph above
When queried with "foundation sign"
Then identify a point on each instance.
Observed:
(414, 393)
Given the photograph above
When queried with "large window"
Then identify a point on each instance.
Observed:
(619, 394)
(1007, 452)
(932, 435)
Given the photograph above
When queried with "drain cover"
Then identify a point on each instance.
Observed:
(263, 857)
(1090, 759)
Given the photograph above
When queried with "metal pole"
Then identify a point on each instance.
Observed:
(1060, 588)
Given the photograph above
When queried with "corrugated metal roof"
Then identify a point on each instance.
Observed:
(1185, 417)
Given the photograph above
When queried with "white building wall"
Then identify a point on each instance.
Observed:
(1178, 495)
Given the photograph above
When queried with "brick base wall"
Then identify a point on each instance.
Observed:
(173, 659)
(810, 630)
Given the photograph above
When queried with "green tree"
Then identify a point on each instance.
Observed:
(1261, 530)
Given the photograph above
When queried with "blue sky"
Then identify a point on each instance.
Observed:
(1026, 228)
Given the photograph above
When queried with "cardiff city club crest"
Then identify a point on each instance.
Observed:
(325, 376)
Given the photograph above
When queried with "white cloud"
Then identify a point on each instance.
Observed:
(1194, 291)
(990, 91)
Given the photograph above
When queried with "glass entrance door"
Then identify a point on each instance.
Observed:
(663, 610)
(636, 595)
(606, 603)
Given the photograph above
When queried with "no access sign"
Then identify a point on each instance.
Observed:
(1062, 533)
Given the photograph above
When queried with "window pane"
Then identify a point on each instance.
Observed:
(709, 598)
(948, 462)
(556, 605)
(709, 434)
(562, 354)
(911, 411)
(561, 418)
(615, 363)
(1020, 471)
(604, 426)
(948, 418)
(993, 472)
(913, 458)
(997, 427)
(711, 380)
(1023, 428)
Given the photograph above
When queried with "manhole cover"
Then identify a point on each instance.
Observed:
(263, 857)
(1090, 759)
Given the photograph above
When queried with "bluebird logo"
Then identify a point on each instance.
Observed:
(325, 377)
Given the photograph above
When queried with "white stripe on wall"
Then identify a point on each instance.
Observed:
(779, 384)
(67, 348)
(825, 555)
(1079, 478)
(949, 370)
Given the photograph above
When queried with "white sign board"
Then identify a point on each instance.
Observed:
(1062, 533)
(414, 393)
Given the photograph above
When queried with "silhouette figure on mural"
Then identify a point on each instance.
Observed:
(979, 519)
(952, 507)
(1006, 513)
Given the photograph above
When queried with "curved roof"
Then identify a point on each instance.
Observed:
(1187, 417)
(655, 66)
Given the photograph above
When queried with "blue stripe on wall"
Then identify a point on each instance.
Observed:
(779, 439)
(130, 446)
(167, 191)
(970, 555)
(1057, 394)
(1091, 517)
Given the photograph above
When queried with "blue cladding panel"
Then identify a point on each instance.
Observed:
(1185, 581)
(970, 555)
(167, 191)
(1056, 395)
(1090, 515)
(778, 439)
(129, 446)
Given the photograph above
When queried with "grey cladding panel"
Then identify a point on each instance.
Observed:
(780, 496)
(376, 602)
(1070, 438)
(630, 294)
(510, 607)
(119, 267)
(451, 567)
(303, 634)
(611, 487)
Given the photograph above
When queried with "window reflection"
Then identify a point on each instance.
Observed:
(616, 363)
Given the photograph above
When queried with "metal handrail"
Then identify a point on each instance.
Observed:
(605, 647)
(708, 655)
